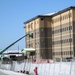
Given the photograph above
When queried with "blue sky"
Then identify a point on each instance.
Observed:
(13, 13)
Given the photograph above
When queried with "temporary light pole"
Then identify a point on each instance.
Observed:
(18, 50)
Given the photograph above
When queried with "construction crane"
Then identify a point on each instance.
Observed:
(30, 35)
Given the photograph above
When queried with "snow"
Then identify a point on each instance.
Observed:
(11, 51)
(8, 72)
(55, 68)
(49, 14)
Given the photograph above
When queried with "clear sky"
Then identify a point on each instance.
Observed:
(13, 13)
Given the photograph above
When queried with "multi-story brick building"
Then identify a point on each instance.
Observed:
(63, 33)
(40, 27)
(53, 35)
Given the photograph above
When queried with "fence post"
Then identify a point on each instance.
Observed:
(70, 67)
(54, 69)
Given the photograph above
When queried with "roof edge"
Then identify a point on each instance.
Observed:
(38, 16)
(66, 9)
(56, 13)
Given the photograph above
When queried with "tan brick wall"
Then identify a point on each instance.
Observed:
(58, 24)
(34, 24)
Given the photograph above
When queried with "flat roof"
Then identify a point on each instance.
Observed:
(27, 50)
(38, 16)
(56, 13)
(64, 10)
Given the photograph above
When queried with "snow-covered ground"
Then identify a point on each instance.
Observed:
(8, 72)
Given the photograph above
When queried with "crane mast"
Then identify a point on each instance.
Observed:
(14, 43)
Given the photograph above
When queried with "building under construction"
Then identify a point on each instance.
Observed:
(53, 35)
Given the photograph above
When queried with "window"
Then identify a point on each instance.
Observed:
(35, 23)
(63, 17)
(42, 18)
(70, 27)
(31, 45)
(38, 43)
(52, 32)
(31, 25)
(31, 35)
(67, 16)
(67, 28)
(68, 52)
(28, 26)
(70, 15)
(71, 52)
(53, 53)
(52, 21)
(42, 29)
(60, 30)
(70, 40)
(52, 43)
(60, 18)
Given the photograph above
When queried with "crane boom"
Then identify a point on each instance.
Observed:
(13, 43)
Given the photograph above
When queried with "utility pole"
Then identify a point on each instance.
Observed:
(18, 50)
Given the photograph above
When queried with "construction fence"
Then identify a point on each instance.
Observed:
(51, 68)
